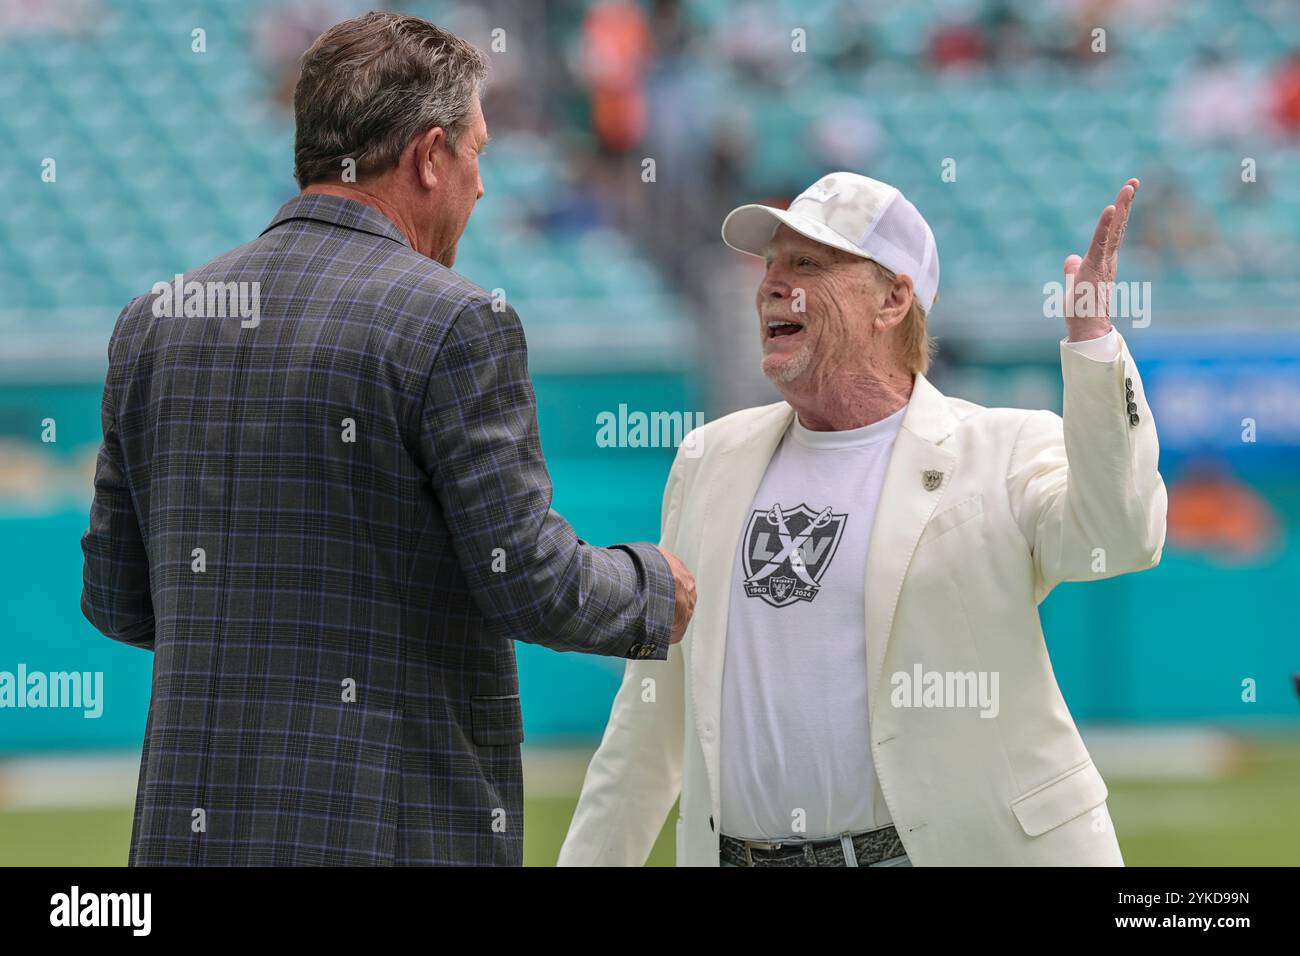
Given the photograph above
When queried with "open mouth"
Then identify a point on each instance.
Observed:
(777, 328)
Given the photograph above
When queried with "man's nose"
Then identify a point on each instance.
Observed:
(773, 285)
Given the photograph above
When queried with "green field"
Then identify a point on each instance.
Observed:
(100, 836)
(1251, 818)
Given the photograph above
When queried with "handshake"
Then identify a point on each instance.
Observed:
(684, 596)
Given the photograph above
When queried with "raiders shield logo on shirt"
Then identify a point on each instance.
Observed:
(786, 552)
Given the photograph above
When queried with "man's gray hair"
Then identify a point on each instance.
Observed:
(371, 84)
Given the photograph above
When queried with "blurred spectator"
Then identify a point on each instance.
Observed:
(845, 136)
(671, 33)
(515, 97)
(851, 46)
(1285, 95)
(1009, 41)
(616, 55)
(957, 46)
(1082, 46)
(754, 40)
(1218, 100)
(677, 124)
(1169, 226)
(30, 16)
(577, 207)
(997, 36)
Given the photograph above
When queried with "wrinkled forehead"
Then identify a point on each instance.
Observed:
(786, 240)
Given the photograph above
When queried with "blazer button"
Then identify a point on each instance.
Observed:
(634, 650)
(1128, 383)
(711, 827)
(1128, 394)
(1132, 407)
(1133, 418)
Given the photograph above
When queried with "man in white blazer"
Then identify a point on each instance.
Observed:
(865, 680)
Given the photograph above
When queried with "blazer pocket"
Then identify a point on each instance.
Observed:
(496, 720)
(1060, 800)
(952, 517)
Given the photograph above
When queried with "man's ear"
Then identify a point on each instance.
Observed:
(430, 156)
(898, 295)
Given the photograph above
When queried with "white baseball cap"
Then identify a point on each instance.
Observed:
(857, 214)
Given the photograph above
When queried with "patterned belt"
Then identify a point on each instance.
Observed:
(869, 847)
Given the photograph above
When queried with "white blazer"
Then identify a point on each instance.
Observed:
(954, 577)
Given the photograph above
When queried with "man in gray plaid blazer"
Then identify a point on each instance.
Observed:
(328, 516)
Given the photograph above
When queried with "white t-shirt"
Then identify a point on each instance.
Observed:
(795, 745)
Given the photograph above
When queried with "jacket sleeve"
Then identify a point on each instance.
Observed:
(1085, 487)
(115, 595)
(636, 773)
(531, 576)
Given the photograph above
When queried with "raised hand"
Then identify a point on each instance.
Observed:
(1090, 279)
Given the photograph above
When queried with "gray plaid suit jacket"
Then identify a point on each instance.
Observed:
(334, 674)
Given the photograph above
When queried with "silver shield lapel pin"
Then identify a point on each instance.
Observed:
(931, 479)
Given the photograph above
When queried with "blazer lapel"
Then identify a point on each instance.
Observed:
(918, 475)
(733, 482)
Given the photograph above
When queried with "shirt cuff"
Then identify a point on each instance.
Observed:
(656, 582)
(1104, 348)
